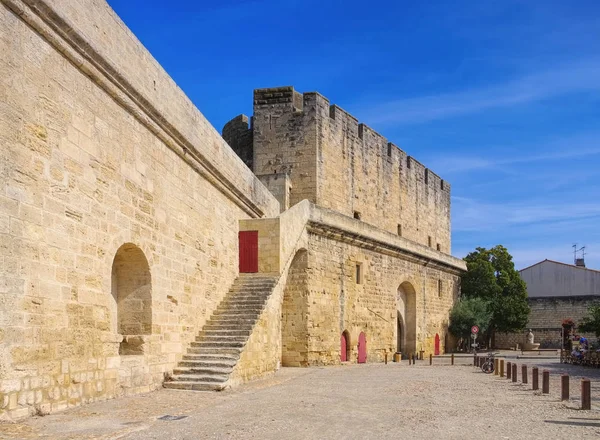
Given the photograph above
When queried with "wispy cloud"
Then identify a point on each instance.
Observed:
(578, 146)
(473, 215)
(527, 89)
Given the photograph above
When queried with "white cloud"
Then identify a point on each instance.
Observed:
(473, 215)
(527, 89)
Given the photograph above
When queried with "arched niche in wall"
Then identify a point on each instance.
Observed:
(132, 292)
(406, 302)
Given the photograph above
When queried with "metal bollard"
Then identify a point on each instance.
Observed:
(386, 357)
(545, 382)
(430, 359)
(475, 360)
(586, 394)
(496, 367)
(535, 378)
(524, 373)
(508, 370)
(452, 359)
(564, 387)
(514, 372)
(501, 367)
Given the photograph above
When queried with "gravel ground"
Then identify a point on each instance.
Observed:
(369, 401)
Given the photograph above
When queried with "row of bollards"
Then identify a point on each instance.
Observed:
(511, 373)
(413, 358)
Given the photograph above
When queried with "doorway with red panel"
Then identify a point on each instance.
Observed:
(345, 346)
(248, 242)
(362, 348)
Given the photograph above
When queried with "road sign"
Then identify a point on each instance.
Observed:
(474, 329)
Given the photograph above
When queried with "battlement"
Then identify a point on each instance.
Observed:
(282, 96)
(270, 98)
(340, 163)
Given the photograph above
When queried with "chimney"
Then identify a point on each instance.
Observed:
(579, 262)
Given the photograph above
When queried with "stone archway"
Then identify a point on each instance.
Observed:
(407, 316)
(399, 332)
(294, 309)
(132, 292)
(345, 347)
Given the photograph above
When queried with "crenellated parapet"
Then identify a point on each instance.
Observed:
(337, 162)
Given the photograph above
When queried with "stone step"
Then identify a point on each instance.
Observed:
(224, 332)
(221, 372)
(235, 315)
(200, 378)
(218, 344)
(211, 357)
(242, 297)
(237, 312)
(217, 338)
(225, 363)
(233, 320)
(194, 385)
(242, 304)
(245, 281)
(252, 287)
(214, 350)
(252, 307)
(227, 326)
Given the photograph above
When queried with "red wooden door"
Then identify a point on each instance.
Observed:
(437, 345)
(362, 348)
(343, 348)
(248, 251)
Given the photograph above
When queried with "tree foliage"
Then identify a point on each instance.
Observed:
(469, 312)
(491, 275)
(591, 323)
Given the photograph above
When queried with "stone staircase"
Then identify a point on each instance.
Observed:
(218, 347)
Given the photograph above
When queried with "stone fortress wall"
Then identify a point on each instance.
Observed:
(337, 163)
(379, 203)
(120, 207)
(104, 160)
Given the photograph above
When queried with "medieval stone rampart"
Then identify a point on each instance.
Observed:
(338, 163)
(119, 210)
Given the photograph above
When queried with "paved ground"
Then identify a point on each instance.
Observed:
(360, 401)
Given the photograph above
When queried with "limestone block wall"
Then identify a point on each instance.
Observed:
(280, 186)
(99, 148)
(238, 134)
(317, 297)
(363, 174)
(545, 320)
(370, 306)
(284, 139)
(340, 164)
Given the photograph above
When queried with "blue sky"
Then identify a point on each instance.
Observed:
(500, 98)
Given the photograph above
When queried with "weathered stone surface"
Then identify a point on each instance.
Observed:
(120, 207)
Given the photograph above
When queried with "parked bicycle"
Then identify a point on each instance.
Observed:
(488, 365)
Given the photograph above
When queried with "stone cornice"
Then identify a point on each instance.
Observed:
(365, 241)
(66, 39)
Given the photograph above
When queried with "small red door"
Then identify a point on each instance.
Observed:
(248, 251)
(343, 346)
(362, 348)
(437, 345)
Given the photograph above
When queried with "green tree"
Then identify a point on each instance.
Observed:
(491, 275)
(469, 312)
(591, 323)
